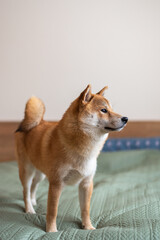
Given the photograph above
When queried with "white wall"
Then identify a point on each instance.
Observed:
(53, 49)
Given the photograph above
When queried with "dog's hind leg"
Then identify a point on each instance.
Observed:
(38, 177)
(26, 173)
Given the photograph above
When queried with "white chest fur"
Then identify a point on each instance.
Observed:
(81, 167)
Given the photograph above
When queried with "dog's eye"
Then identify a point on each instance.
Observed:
(104, 110)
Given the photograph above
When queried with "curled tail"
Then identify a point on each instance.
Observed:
(34, 112)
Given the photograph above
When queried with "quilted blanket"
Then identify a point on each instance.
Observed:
(125, 202)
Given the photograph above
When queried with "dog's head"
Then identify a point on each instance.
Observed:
(96, 111)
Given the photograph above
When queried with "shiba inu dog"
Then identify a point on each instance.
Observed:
(66, 152)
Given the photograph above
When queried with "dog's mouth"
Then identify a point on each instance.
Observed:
(115, 129)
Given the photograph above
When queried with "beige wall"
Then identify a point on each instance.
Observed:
(53, 49)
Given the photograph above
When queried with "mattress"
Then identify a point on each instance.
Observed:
(125, 203)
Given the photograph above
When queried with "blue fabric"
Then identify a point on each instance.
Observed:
(122, 144)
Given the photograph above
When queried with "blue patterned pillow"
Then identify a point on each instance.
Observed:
(120, 144)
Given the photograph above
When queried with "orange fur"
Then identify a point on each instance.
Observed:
(34, 112)
(66, 153)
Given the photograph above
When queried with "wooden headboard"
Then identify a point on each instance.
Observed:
(133, 129)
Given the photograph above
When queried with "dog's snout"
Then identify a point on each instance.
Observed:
(124, 119)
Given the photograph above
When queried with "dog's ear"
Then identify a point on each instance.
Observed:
(102, 91)
(86, 95)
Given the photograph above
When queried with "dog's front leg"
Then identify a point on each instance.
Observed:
(85, 193)
(52, 207)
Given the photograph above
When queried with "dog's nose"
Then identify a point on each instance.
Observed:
(124, 119)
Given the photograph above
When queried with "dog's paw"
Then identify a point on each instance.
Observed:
(30, 210)
(88, 227)
(51, 229)
(34, 202)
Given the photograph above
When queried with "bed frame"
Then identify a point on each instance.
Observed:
(134, 129)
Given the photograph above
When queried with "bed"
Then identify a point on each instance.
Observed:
(125, 203)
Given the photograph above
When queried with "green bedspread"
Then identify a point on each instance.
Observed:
(125, 202)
